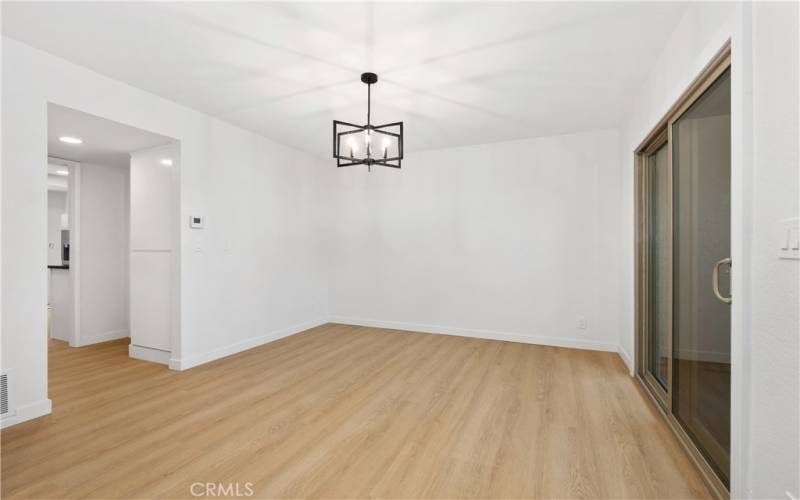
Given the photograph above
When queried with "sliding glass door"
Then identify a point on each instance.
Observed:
(684, 268)
(701, 169)
(658, 341)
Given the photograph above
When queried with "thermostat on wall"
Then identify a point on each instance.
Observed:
(196, 222)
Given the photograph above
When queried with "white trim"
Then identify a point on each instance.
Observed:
(221, 352)
(148, 354)
(74, 210)
(159, 147)
(741, 208)
(176, 336)
(626, 358)
(27, 412)
(55, 160)
(592, 345)
(103, 337)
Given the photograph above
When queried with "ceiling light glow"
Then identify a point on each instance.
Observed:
(70, 140)
(166, 161)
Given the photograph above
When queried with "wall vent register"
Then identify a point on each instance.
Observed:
(4, 399)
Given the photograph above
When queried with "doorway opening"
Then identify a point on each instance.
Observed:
(113, 211)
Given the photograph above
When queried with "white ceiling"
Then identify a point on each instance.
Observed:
(455, 73)
(104, 141)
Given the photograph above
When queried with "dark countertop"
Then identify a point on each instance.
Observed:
(63, 266)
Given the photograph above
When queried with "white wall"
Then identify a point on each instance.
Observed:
(773, 331)
(260, 271)
(103, 253)
(514, 240)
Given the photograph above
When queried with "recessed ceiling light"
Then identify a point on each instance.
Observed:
(70, 140)
(62, 172)
(166, 161)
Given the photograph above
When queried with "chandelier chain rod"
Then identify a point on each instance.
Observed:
(369, 112)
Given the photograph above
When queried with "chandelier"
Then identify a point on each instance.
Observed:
(368, 144)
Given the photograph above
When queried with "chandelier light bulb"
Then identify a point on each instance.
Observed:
(353, 147)
(386, 143)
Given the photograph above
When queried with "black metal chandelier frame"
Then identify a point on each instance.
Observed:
(391, 130)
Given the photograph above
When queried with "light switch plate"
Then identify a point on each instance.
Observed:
(789, 246)
(196, 221)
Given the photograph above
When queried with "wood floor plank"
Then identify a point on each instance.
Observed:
(342, 411)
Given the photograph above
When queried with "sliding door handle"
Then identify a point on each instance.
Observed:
(715, 279)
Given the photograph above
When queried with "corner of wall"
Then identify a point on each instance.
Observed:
(28, 412)
(190, 361)
(627, 359)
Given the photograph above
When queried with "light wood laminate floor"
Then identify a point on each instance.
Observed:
(349, 412)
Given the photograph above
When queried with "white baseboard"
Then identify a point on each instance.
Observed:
(103, 337)
(27, 412)
(626, 358)
(481, 334)
(149, 354)
(193, 360)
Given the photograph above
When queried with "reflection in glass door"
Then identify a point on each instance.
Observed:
(701, 167)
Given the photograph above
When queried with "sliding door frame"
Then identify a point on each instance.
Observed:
(643, 173)
(662, 134)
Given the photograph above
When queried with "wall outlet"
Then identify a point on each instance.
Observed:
(582, 323)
